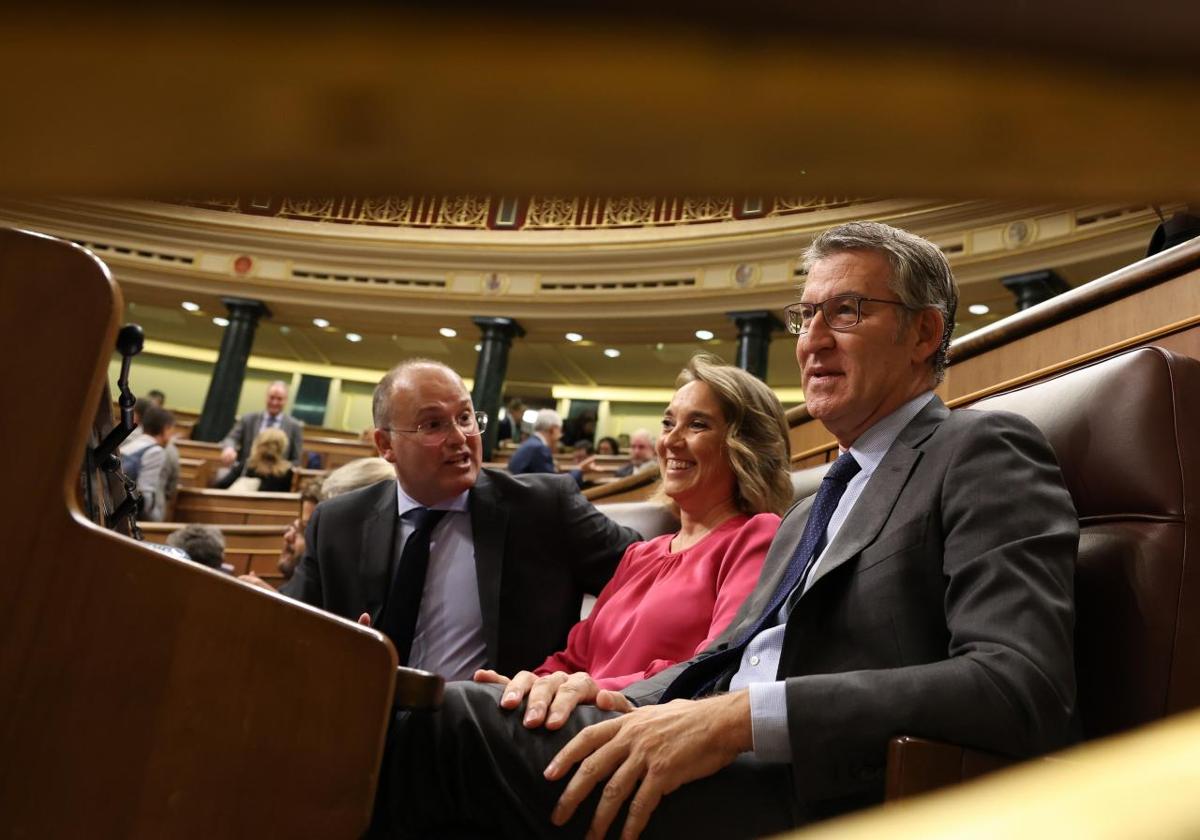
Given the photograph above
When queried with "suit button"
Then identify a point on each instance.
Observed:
(754, 660)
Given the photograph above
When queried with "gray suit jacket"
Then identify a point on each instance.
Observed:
(943, 607)
(241, 436)
(539, 546)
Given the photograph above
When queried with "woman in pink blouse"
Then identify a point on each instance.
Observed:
(724, 456)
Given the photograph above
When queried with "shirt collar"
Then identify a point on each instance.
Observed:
(405, 502)
(875, 442)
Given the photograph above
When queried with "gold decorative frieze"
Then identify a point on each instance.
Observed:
(706, 209)
(787, 205)
(552, 212)
(467, 211)
(629, 211)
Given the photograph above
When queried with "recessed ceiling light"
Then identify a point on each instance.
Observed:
(979, 309)
(320, 322)
(355, 337)
(447, 332)
(285, 329)
(478, 347)
(190, 307)
(221, 322)
(704, 335)
(573, 337)
(612, 352)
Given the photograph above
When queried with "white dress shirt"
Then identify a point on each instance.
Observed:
(449, 636)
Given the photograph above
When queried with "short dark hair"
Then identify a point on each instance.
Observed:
(157, 396)
(205, 544)
(139, 407)
(157, 420)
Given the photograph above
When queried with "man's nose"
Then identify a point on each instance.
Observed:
(818, 334)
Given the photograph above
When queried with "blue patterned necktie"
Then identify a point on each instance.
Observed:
(399, 619)
(699, 678)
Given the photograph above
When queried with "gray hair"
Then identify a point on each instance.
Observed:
(355, 474)
(381, 402)
(547, 418)
(205, 544)
(921, 276)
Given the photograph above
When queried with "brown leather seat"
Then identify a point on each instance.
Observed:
(1125, 433)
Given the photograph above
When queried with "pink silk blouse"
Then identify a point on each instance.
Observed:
(662, 607)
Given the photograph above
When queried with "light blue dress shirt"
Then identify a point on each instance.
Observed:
(760, 661)
(449, 636)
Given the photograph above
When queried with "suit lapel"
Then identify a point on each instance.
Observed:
(378, 546)
(489, 524)
(879, 497)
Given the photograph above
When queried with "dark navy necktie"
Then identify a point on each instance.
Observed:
(699, 678)
(399, 619)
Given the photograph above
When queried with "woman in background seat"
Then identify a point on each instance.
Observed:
(266, 463)
(724, 457)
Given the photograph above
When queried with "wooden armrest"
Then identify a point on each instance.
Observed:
(417, 690)
(918, 765)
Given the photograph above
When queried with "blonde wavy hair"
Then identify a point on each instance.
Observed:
(756, 438)
(266, 453)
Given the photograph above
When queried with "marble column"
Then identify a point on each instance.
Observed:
(754, 339)
(225, 388)
(1034, 287)
(490, 370)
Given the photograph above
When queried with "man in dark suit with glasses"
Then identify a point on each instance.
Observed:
(462, 567)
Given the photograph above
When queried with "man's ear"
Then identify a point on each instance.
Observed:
(383, 445)
(929, 325)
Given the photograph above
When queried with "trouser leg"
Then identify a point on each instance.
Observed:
(472, 767)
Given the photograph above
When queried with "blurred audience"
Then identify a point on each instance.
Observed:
(146, 463)
(247, 428)
(266, 463)
(536, 454)
(293, 537)
(509, 427)
(641, 453)
(608, 446)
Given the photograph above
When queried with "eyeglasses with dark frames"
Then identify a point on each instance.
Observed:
(841, 312)
(433, 432)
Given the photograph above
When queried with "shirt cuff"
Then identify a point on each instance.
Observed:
(768, 721)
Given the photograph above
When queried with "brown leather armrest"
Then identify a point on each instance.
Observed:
(417, 690)
(918, 765)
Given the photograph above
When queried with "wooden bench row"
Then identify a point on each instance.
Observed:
(248, 548)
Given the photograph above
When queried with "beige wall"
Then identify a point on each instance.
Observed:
(185, 381)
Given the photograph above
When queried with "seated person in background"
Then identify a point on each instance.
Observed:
(145, 462)
(462, 567)
(241, 437)
(293, 537)
(157, 397)
(204, 544)
(608, 446)
(266, 463)
(724, 458)
(510, 423)
(536, 454)
(641, 453)
(355, 474)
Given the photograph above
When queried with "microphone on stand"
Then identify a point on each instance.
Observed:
(130, 341)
